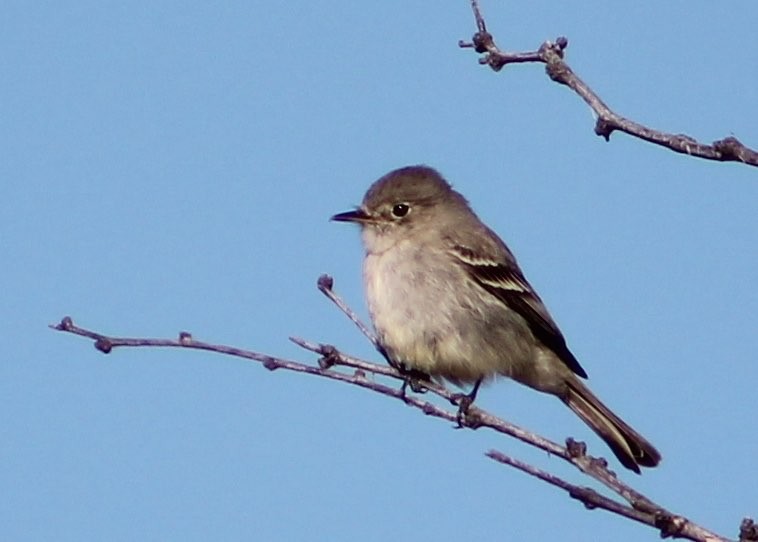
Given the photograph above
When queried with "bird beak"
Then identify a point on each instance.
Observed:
(358, 215)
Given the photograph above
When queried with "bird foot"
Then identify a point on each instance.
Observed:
(464, 402)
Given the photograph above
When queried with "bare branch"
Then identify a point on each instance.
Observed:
(551, 54)
(639, 507)
(591, 498)
(670, 525)
(325, 283)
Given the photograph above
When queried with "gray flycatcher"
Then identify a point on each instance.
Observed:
(448, 300)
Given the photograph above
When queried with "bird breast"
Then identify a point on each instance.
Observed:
(430, 316)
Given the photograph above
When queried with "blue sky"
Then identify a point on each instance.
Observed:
(172, 166)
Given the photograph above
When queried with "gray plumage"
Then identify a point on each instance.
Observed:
(448, 298)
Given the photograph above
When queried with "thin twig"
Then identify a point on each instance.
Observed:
(325, 283)
(670, 525)
(331, 357)
(591, 498)
(640, 507)
(729, 149)
(474, 419)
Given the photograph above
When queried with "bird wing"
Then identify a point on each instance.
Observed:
(505, 281)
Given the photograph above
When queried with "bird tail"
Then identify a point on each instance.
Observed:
(630, 447)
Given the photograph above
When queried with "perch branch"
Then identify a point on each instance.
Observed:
(639, 507)
(729, 149)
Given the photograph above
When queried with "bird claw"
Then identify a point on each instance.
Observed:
(415, 383)
(464, 402)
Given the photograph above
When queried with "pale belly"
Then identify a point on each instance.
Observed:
(441, 323)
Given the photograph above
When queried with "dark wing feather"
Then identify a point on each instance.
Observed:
(507, 283)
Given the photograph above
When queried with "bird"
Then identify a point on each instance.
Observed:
(448, 299)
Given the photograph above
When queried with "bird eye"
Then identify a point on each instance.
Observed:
(400, 210)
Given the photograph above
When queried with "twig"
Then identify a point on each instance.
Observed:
(591, 498)
(670, 525)
(729, 149)
(106, 344)
(325, 283)
(331, 357)
(640, 507)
